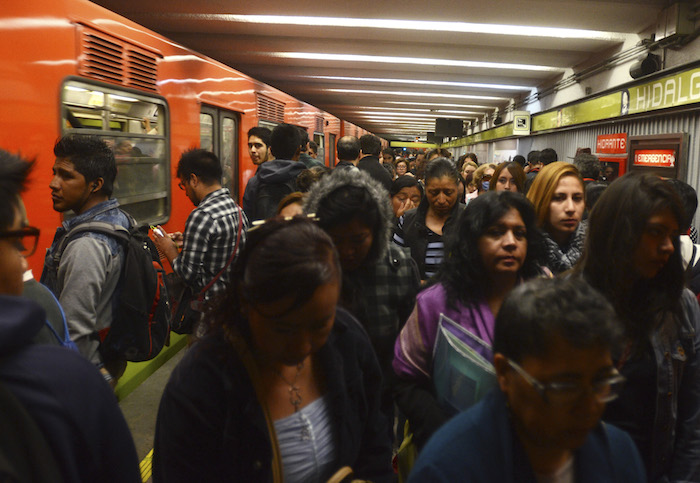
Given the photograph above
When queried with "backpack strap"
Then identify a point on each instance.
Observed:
(109, 229)
(230, 259)
(66, 341)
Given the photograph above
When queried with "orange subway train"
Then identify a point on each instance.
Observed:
(72, 66)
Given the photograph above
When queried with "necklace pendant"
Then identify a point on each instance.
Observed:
(295, 397)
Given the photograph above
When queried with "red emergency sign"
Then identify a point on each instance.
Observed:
(658, 158)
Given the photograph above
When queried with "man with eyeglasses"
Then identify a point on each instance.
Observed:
(211, 228)
(552, 355)
(65, 421)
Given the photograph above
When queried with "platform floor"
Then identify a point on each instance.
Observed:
(140, 409)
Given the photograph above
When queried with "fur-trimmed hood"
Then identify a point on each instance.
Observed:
(354, 177)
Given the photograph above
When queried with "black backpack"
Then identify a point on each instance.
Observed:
(269, 196)
(141, 323)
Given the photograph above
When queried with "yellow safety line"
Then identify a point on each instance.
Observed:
(146, 467)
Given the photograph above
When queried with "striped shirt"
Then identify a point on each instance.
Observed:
(306, 443)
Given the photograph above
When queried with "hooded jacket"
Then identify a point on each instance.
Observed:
(276, 172)
(382, 292)
(67, 397)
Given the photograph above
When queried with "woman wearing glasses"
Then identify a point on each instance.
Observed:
(632, 256)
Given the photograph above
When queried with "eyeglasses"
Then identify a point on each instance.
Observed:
(25, 239)
(181, 184)
(568, 393)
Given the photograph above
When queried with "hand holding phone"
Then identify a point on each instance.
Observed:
(157, 231)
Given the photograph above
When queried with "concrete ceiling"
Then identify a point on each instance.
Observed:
(444, 59)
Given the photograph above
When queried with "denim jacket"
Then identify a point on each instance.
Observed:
(85, 278)
(676, 433)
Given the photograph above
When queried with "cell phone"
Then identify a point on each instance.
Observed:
(157, 231)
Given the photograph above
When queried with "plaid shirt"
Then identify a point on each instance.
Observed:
(210, 235)
(381, 296)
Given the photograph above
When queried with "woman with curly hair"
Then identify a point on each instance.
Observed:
(496, 247)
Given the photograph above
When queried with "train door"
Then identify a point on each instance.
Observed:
(218, 133)
(134, 125)
(331, 150)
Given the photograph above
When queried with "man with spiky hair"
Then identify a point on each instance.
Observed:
(85, 277)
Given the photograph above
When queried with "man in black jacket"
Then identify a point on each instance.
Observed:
(370, 147)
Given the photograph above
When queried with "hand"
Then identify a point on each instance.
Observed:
(404, 207)
(177, 237)
(166, 246)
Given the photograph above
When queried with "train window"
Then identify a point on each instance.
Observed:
(206, 131)
(134, 125)
(321, 154)
(218, 130)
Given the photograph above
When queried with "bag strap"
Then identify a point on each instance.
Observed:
(230, 259)
(109, 229)
(241, 347)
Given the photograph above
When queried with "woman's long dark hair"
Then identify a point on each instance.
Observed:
(462, 272)
(615, 228)
(281, 258)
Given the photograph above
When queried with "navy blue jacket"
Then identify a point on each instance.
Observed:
(211, 427)
(69, 400)
(479, 446)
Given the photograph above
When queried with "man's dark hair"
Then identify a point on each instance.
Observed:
(285, 141)
(313, 147)
(520, 159)
(548, 156)
(370, 144)
(593, 192)
(13, 176)
(203, 163)
(588, 165)
(689, 200)
(538, 311)
(91, 157)
(303, 137)
(307, 178)
(260, 132)
(533, 157)
(348, 148)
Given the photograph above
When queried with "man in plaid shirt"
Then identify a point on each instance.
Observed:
(211, 228)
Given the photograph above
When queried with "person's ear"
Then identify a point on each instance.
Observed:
(500, 363)
(96, 185)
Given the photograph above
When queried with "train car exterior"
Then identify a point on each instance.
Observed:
(72, 66)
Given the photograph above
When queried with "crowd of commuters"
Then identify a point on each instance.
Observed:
(319, 339)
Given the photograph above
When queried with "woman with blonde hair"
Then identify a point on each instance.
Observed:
(481, 179)
(558, 196)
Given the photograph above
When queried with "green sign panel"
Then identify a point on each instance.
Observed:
(596, 109)
(676, 90)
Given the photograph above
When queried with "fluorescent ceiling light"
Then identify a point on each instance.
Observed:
(416, 94)
(432, 104)
(423, 25)
(431, 111)
(422, 82)
(425, 115)
(386, 59)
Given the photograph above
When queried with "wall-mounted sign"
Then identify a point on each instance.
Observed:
(612, 143)
(521, 123)
(658, 158)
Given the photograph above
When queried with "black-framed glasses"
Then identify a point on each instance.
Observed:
(25, 239)
(181, 184)
(568, 393)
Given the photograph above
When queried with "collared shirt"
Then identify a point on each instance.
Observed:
(209, 239)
